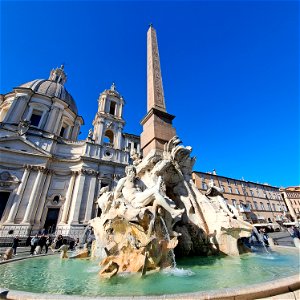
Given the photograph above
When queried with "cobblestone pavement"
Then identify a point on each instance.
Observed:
(282, 238)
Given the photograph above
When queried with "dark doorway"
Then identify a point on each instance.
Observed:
(51, 219)
(3, 201)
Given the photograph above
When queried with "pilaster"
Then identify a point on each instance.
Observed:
(19, 194)
(17, 109)
(90, 199)
(33, 196)
(66, 207)
(76, 199)
(43, 197)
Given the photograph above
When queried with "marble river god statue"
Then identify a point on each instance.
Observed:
(156, 211)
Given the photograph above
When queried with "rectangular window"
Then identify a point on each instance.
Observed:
(230, 189)
(62, 131)
(274, 207)
(255, 205)
(237, 190)
(269, 206)
(35, 117)
(204, 186)
(233, 202)
(262, 206)
(249, 204)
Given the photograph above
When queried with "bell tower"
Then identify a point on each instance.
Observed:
(157, 124)
(108, 122)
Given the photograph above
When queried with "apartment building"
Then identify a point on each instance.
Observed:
(291, 197)
(257, 203)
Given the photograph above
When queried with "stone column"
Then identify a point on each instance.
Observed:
(33, 196)
(52, 119)
(120, 110)
(75, 131)
(90, 199)
(76, 199)
(17, 109)
(118, 137)
(58, 122)
(17, 199)
(43, 197)
(99, 134)
(66, 207)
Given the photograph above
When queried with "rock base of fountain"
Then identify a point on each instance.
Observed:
(131, 247)
(156, 208)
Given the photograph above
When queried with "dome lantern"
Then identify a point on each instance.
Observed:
(58, 75)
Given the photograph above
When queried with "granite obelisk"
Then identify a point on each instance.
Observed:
(157, 124)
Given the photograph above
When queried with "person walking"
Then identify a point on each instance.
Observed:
(33, 243)
(48, 243)
(42, 241)
(15, 244)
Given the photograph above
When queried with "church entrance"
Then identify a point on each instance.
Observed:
(51, 219)
(3, 201)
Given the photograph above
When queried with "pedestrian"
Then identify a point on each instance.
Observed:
(292, 232)
(77, 243)
(72, 245)
(42, 242)
(28, 240)
(48, 243)
(296, 232)
(33, 243)
(15, 244)
(59, 242)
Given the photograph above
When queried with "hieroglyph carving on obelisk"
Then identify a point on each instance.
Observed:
(155, 92)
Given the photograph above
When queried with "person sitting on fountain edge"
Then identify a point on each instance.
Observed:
(139, 199)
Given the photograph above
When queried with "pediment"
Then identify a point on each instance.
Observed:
(21, 145)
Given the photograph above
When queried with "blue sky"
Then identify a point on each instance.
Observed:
(230, 71)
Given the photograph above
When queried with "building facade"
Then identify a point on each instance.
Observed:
(257, 203)
(291, 197)
(48, 178)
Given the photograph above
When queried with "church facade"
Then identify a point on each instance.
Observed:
(48, 178)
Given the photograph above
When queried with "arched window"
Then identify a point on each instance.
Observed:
(112, 108)
(108, 137)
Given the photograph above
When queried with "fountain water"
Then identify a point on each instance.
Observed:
(167, 238)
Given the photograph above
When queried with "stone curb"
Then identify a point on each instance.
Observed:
(24, 257)
(285, 288)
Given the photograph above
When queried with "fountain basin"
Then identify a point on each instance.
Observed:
(249, 274)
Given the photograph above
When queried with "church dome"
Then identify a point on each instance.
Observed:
(53, 87)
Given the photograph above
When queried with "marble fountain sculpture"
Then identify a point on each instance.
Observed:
(157, 207)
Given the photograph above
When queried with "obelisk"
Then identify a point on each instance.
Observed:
(157, 124)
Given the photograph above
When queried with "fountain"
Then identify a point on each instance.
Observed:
(155, 214)
(156, 208)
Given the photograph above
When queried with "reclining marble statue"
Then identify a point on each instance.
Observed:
(156, 210)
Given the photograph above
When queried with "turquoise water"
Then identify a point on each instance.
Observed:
(52, 275)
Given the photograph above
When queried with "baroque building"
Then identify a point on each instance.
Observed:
(48, 178)
(256, 203)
